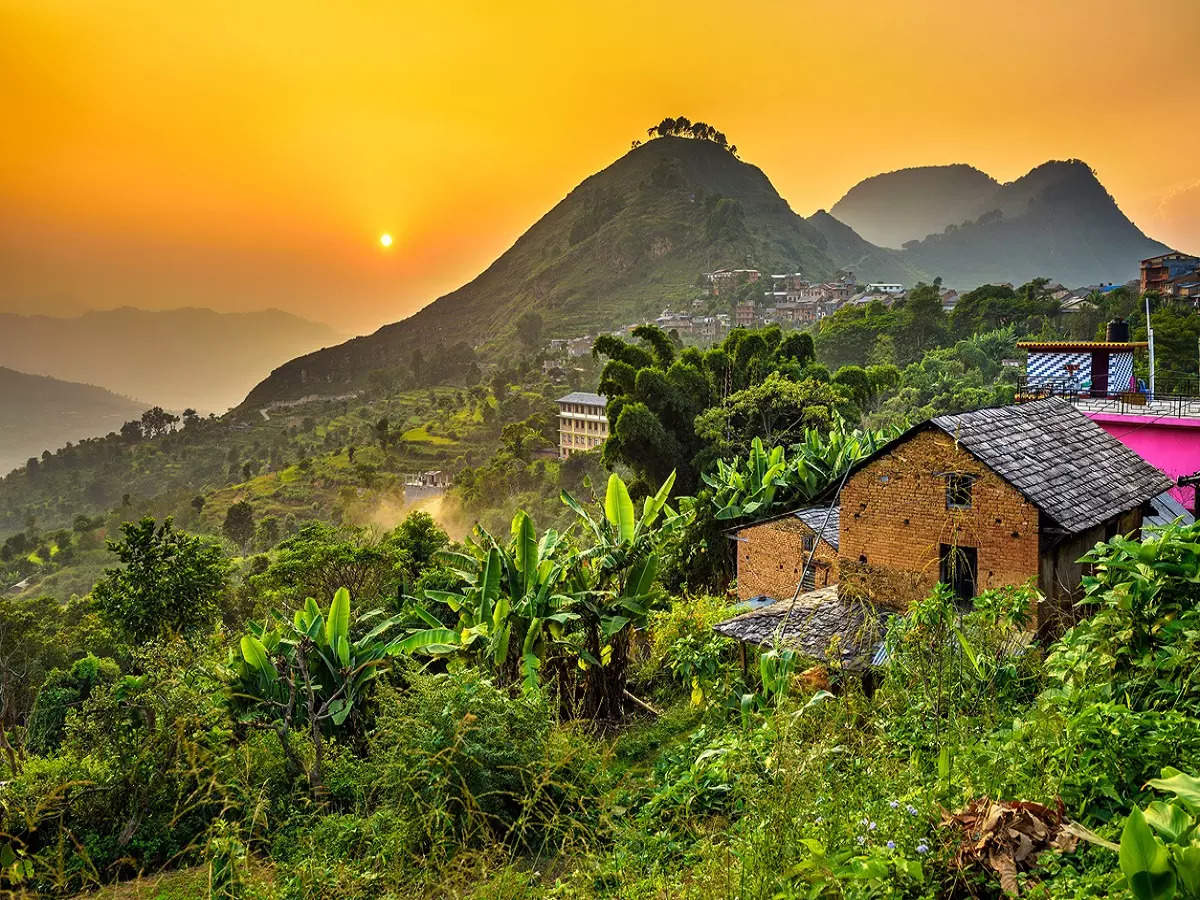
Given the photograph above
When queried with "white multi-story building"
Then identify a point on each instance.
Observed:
(582, 423)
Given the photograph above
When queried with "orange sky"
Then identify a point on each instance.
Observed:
(248, 154)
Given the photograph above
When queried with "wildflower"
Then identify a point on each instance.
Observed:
(863, 821)
(893, 803)
(912, 810)
(861, 840)
(891, 845)
(922, 849)
(871, 827)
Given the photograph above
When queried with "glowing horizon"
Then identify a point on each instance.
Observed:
(247, 156)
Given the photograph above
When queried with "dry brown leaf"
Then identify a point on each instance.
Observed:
(1007, 837)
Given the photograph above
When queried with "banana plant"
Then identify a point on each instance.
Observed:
(745, 486)
(310, 671)
(755, 485)
(509, 592)
(613, 586)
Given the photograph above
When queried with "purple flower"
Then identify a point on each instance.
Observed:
(871, 827)
(861, 840)
(891, 845)
(922, 849)
(893, 803)
(912, 810)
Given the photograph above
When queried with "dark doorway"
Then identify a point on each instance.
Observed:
(1099, 374)
(960, 569)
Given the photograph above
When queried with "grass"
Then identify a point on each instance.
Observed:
(421, 435)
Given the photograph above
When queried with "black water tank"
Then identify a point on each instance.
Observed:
(1117, 332)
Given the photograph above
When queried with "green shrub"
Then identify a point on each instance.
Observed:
(460, 753)
(945, 664)
(1141, 644)
(685, 650)
(61, 692)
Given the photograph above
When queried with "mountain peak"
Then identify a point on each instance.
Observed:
(626, 241)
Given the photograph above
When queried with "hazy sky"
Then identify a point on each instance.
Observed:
(248, 154)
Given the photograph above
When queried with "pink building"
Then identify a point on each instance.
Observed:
(1170, 444)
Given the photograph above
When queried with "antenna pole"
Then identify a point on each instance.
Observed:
(1150, 338)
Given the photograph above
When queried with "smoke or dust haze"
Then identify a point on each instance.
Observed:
(389, 512)
(239, 156)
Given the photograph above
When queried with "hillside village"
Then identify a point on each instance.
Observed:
(805, 586)
(791, 300)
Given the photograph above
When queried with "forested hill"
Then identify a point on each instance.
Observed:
(179, 358)
(39, 413)
(624, 243)
(1057, 221)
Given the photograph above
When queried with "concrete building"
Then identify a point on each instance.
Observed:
(978, 500)
(1163, 273)
(1097, 377)
(728, 280)
(1097, 368)
(582, 423)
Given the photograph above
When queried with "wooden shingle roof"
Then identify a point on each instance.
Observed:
(1060, 460)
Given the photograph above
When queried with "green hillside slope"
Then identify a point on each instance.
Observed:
(867, 261)
(626, 241)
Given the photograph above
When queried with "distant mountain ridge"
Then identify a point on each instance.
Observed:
(177, 358)
(894, 207)
(40, 413)
(1057, 220)
(636, 236)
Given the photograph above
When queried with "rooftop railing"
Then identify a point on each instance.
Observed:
(1177, 397)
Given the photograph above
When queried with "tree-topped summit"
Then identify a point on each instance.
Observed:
(682, 126)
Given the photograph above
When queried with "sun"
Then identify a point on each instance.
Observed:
(385, 240)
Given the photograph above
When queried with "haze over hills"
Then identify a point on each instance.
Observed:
(40, 413)
(624, 243)
(1057, 220)
(176, 358)
(636, 236)
(895, 207)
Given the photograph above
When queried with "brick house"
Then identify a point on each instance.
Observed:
(977, 500)
(771, 554)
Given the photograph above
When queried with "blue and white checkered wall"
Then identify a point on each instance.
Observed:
(1120, 372)
(1045, 368)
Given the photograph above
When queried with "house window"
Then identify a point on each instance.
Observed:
(958, 491)
(809, 541)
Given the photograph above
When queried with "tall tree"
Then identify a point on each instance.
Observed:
(168, 581)
(529, 330)
(239, 523)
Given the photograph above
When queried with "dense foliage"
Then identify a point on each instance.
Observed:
(372, 754)
(292, 694)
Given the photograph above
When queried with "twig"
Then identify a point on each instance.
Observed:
(642, 703)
